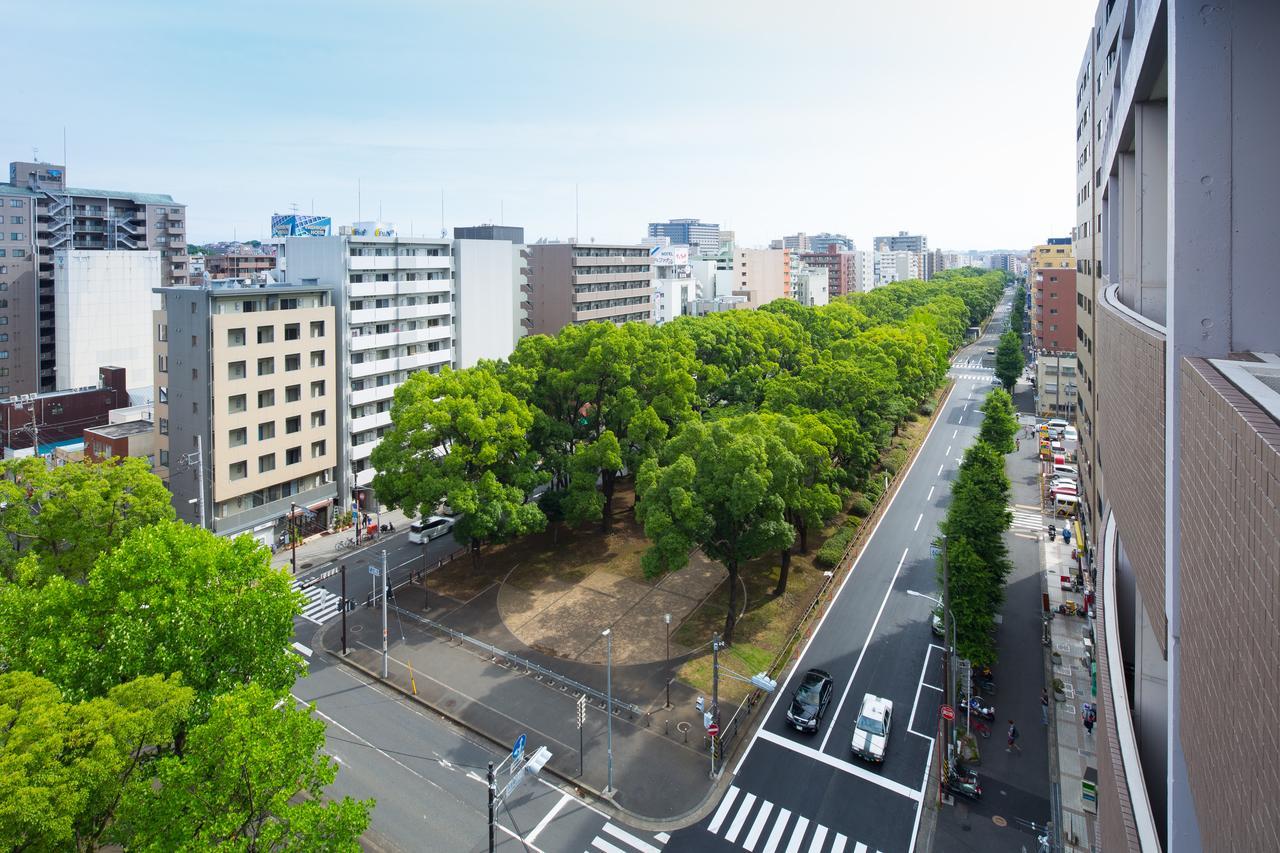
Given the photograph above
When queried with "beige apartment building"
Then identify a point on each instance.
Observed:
(761, 275)
(246, 390)
(581, 282)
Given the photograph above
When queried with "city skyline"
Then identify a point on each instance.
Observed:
(912, 127)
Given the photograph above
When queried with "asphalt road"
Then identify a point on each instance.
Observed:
(794, 791)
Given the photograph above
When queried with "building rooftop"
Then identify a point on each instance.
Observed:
(140, 198)
(122, 430)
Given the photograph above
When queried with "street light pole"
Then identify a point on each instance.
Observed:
(666, 617)
(947, 660)
(608, 644)
(344, 609)
(384, 612)
(715, 697)
(293, 535)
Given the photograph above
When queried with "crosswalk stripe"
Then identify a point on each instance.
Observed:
(779, 826)
(819, 836)
(740, 818)
(797, 835)
(837, 846)
(621, 835)
(762, 819)
(723, 811)
(662, 837)
(860, 848)
(600, 844)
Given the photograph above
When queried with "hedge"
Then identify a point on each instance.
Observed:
(833, 549)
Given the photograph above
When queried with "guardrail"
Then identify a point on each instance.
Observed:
(501, 655)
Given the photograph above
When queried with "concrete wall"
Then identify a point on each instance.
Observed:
(1230, 526)
(550, 279)
(103, 302)
(487, 305)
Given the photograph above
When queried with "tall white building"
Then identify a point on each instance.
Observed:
(897, 266)
(102, 302)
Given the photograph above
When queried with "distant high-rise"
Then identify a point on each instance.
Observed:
(702, 237)
(510, 233)
(824, 241)
(42, 216)
(580, 282)
(902, 242)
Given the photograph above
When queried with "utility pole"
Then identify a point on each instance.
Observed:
(491, 799)
(293, 535)
(200, 475)
(715, 698)
(608, 644)
(426, 591)
(666, 617)
(343, 602)
(384, 612)
(948, 631)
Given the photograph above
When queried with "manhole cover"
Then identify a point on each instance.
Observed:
(999, 821)
(356, 629)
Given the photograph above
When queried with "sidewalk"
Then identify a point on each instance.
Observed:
(318, 549)
(660, 763)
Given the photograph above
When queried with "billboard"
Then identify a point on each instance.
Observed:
(669, 256)
(298, 225)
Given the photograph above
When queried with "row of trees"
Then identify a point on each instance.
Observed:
(744, 429)
(978, 558)
(145, 677)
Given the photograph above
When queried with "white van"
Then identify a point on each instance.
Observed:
(1066, 471)
(1065, 505)
(424, 530)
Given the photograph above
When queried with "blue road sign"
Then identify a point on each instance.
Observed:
(374, 570)
(518, 749)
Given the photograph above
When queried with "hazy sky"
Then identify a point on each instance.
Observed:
(936, 116)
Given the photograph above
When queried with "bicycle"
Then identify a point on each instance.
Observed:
(344, 544)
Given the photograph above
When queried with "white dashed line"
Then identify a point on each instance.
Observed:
(918, 520)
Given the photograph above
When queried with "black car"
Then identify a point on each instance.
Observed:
(810, 700)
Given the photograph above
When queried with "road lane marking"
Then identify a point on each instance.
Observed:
(723, 811)
(740, 818)
(930, 494)
(779, 693)
(819, 838)
(837, 846)
(911, 723)
(866, 644)
(953, 434)
(622, 835)
(303, 650)
(662, 837)
(798, 835)
(547, 818)
(918, 520)
(948, 453)
(940, 467)
(779, 826)
(600, 844)
(762, 819)
(862, 848)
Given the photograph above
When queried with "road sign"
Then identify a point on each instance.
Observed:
(582, 710)
(713, 729)
(707, 719)
(517, 751)
(374, 570)
(935, 551)
(948, 713)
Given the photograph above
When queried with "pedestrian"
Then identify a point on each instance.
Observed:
(1044, 706)
(1013, 739)
(1090, 717)
(1017, 444)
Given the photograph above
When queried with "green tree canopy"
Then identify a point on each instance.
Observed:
(1009, 359)
(999, 423)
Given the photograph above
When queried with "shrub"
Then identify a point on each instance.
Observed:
(926, 409)
(894, 461)
(860, 506)
(833, 549)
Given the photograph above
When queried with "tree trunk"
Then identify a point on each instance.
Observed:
(475, 553)
(608, 482)
(803, 530)
(783, 572)
(731, 618)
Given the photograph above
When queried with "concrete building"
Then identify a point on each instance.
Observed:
(902, 242)
(795, 243)
(492, 284)
(702, 238)
(247, 389)
(102, 302)
(1057, 253)
(582, 282)
(761, 275)
(897, 265)
(810, 285)
(1182, 197)
(1053, 309)
(246, 265)
(136, 439)
(825, 241)
(841, 267)
(48, 420)
(396, 301)
(511, 233)
(864, 270)
(1056, 380)
(41, 215)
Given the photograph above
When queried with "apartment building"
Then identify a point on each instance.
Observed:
(244, 265)
(1178, 206)
(897, 265)
(902, 242)
(1053, 309)
(1056, 381)
(1057, 253)
(582, 282)
(761, 275)
(396, 300)
(703, 238)
(103, 300)
(841, 267)
(42, 215)
(810, 285)
(825, 241)
(48, 420)
(247, 387)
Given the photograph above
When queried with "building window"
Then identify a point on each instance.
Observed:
(317, 419)
(164, 458)
(266, 366)
(317, 358)
(292, 362)
(293, 424)
(238, 437)
(162, 392)
(292, 331)
(19, 253)
(317, 328)
(164, 426)
(239, 470)
(266, 334)
(162, 332)
(293, 456)
(235, 337)
(266, 430)
(317, 389)
(162, 364)
(317, 449)
(266, 462)
(236, 370)
(266, 399)
(292, 393)
(236, 403)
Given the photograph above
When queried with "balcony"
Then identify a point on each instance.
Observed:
(602, 295)
(377, 419)
(403, 312)
(387, 339)
(372, 395)
(400, 262)
(364, 289)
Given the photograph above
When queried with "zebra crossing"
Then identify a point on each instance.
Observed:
(613, 839)
(1027, 521)
(320, 605)
(772, 830)
(973, 377)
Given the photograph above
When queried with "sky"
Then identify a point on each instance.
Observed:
(951, 119)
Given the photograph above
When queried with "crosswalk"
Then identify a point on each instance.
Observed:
(320, 605)
(757, 825)
(614, 839)
(1027, 521)
(973, 377)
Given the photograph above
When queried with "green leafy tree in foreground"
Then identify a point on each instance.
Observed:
(809, 487)
(1009, 359)
(970, 603)
(64, 765)
(999, 425)
(719, 487)
(251, 778)
(68, 516)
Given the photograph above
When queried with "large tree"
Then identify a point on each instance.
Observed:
(1009, 359)
(719, 487)
(459, 437)
(171, 598)
(809, 488)
(69, 515)
(999, 424)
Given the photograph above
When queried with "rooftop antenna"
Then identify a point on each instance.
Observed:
(35, 154)
(502, 212)
(443, 232)
(64, 152)
(575, 213)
